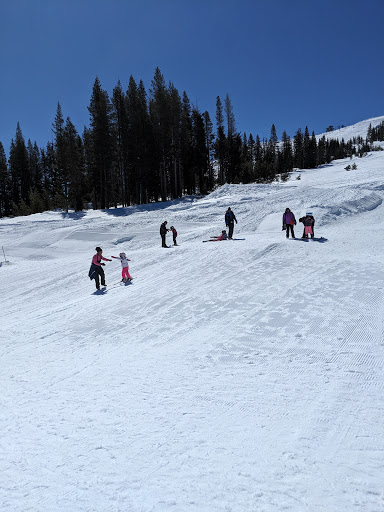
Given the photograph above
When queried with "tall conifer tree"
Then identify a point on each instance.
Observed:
(220, 143)
(19, 170)
(102, 147)
(5, 206)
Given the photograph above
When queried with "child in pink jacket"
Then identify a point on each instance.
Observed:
(124, 266)
(223, 236)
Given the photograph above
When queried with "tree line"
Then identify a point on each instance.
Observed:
(146, 147)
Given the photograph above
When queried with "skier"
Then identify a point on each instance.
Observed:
(288, 222)
(174, 233)
(163, 233)
(96, 271)
(223, 236)
(124, 266)
(309, 223)
(230, 219)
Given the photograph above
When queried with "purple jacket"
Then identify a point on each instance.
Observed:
(289, 218)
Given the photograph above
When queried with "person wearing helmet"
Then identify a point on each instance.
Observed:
(124, 266)
(309, 225)
(174, 233)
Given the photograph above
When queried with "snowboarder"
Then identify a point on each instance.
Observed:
(124, 266)
(309, 224)
(163, 233)
(223, 236)
(95, 272)
(288, 222)
(230, 220)
(174, 233)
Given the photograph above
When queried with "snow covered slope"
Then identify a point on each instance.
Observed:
(238, 376)
(356, 130)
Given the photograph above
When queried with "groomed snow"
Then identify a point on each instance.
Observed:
(355, 130)
(240, 376)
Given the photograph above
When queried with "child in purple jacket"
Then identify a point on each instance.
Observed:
(288, 222)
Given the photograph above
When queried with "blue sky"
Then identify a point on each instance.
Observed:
(288, 62)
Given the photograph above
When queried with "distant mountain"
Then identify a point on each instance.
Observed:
(355, 130)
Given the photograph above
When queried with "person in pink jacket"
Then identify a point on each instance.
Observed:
(124, 266)
(96, 271)
(223, 236)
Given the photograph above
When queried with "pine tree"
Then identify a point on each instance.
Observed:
(35, 197)
(287, 156)
(175, 107)
(145, 177)
(75, 166)
(161, 124)
(19, 169)
(49, 171)
(5, 203)
(102, 148)
(321, 151)
(120, 120)
(199, 151)
(220, 143)
(298, 155)
(246, 166)
(306, 150)
(313, 151)
(186, 152)
(209, 143)
(230, 118)
(60, 177)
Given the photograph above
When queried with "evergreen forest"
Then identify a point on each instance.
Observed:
(143, 147)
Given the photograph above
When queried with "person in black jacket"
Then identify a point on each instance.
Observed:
(230, 220)
(174, 233)
(163, 233)
(309, 225)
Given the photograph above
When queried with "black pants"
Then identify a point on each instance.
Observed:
(290, 227)
(231, 225)
(163, 244)
(174, 240)
(99, 272)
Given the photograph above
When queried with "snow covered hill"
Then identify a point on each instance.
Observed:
(356, 130)
(238, 376)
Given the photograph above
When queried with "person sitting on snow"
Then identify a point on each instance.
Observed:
(223, 236)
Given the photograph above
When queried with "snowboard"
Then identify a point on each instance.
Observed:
(125, 282)
(316, 239)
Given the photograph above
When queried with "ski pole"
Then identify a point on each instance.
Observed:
(5, 259)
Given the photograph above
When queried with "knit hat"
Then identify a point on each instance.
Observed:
(122, 255)
(99, 249)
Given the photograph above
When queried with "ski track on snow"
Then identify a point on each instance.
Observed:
(232, 376)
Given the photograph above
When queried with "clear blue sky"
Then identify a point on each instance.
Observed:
(288, 62)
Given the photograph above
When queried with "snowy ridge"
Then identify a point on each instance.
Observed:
(231, 376)
(356, 130)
